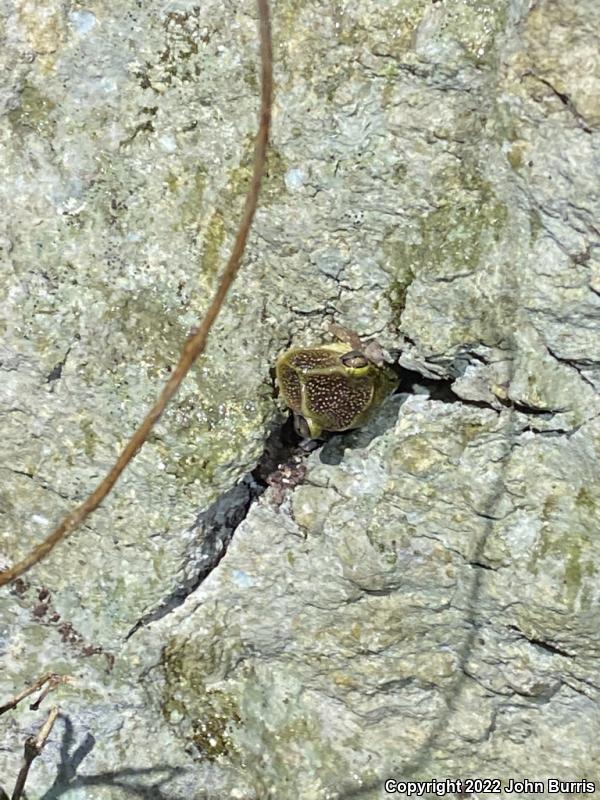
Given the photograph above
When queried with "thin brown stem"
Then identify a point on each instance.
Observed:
(196, 342)
(52, 681)
(33, 747)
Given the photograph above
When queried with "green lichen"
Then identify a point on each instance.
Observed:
(211, 260)
(251, 78)
(471, 431)
(7, 506)
(389, 31)
(191, 205)
(143, 318)
(284, 740)
(401, 268)
(208, 714)
(536, 225)
(472, 24)
(198, 449)
(215, 234)
(515, 155)
(576, 569)
(567, 546)
(90, 437)
(183, 33)
(288, 19)
(172, 182)
(397, 24)
(210, 733)
(452, 241)
(396, 294)
(34, 112)
(585, 500)
(475, 25)
(418, 454)
(273, 185)
(468, 220)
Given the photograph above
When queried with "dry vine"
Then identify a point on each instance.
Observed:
(31, 750)
(51, 680)
(196, 342)
(34, 744)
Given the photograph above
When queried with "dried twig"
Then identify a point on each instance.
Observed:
(52, 679)
(34, 744)
(33, 747)
(196, 342)
(55, 681)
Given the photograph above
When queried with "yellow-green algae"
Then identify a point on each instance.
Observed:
(209, 713)
(454, 241)
(90, 437)
(395, 253)
(35, 111)
(191, 185)
(224, 217)
(467, 221)
(211, 260)
(573, 547)
(473, 24)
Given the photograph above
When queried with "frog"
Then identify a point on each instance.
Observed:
(334, 387)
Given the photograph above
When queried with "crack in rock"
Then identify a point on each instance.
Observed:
(567, 103)
(216, 526)
(541, 643)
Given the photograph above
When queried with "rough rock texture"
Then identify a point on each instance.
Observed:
(425, 603)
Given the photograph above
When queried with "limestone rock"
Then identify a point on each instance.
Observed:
(424, 604)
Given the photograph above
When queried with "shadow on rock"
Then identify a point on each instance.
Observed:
(71, 757)
(332, 452)
(413, 768)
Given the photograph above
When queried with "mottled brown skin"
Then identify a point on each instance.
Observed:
(332, 387)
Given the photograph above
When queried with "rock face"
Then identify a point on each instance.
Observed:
(425, 603)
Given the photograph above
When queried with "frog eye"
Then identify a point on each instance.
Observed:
(301, 426)
(354, 359)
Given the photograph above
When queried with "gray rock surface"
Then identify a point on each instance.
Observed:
(425, 603)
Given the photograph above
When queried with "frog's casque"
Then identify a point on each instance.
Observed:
(332, 387)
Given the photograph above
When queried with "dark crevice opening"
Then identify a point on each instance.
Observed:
(216, 526)
(547, 646)
(440, 389)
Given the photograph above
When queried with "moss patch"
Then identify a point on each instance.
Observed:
(475, 25)
(205, 714)
(214, 236)
(571, 554)
(190, 207)
(453, 241)
(468, 221)
(35, 112)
